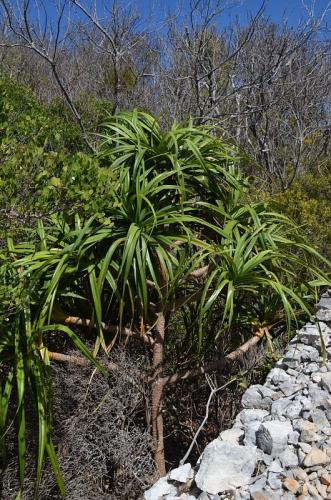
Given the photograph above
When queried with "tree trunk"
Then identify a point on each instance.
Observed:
(157, 396)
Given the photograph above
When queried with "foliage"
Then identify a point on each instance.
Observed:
(175, 209)
(92, 110)
(24, 121)
(267, 84)
(42, 169)
(308, 202)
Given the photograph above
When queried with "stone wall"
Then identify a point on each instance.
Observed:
(280, 444)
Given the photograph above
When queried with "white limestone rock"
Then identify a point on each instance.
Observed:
(225, 466)
(160, 488)
(183, 496)
(326, 381)
(206, 496)
(250, 432)
(272, 436)
(288, 458)
(258, 484)
(293, 438)
(251, 414)
(293, 411)
(274, 480)
(316, 457)
(234, 435)
(182, 474)
(310, 334)
(289, 388)
(325, 302)
(278, 376)
(319, 418)
(279, 407)
(257, 396)
(324, 315)
(275, 467)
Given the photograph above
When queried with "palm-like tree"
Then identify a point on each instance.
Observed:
(177, 232)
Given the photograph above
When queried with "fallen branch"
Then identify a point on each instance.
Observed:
(232, 356)
(212, 366)
(212, 393)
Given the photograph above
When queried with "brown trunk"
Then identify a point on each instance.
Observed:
(62, 318)
(157, 396)
(213, 366)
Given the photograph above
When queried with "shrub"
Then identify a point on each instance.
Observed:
(177, 240)
(43, 167)
(308, 202)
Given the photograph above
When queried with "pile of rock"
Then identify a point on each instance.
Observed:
(280, 444)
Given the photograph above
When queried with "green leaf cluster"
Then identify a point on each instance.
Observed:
(308, 203)
(43, 166)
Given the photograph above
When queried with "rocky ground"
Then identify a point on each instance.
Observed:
(280, 444)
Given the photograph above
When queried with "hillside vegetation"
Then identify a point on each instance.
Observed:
(144, 249)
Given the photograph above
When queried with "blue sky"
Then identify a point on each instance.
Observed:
(292, 9)
(277, 10)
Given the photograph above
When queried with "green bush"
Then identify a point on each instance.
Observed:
(43, 165)
(23, 121)
(308, 203)
(176, 238)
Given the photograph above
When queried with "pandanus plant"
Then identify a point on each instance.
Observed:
(176, 232)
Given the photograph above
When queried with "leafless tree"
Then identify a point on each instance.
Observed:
(28, 26)
(124, 52)
(279, 110)
(199, 60)
(267, 86)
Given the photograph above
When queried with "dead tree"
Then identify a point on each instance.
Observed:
(266, 86)
(200, 57)
(122, 50)
(279, 110)
(28, 26)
